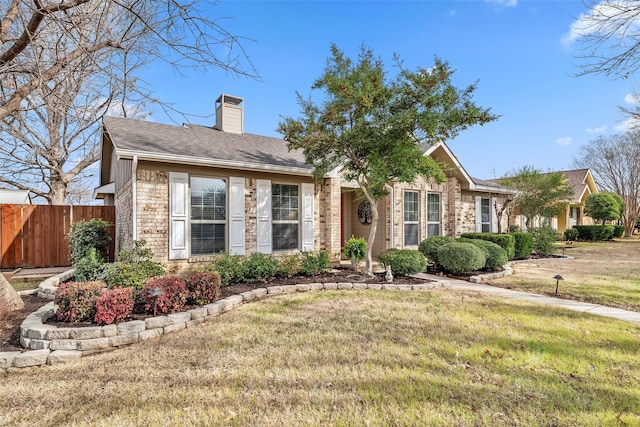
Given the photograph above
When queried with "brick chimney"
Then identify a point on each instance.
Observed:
(230, 114)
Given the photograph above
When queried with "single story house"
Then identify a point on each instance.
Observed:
(193, 191)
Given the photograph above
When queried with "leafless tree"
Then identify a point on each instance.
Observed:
(64, 64)
(608, 37)
(615, 164)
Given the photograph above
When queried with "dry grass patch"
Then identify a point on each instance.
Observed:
(606, 273)
(352, 358)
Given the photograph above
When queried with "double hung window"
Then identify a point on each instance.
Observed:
(411, 218)
(208, 215)
(285, 214)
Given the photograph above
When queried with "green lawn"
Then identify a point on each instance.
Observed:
(605, 273)
(374, 358)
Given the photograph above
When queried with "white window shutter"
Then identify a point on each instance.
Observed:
(494, 215)
(236, 216)
(478, 214)
(178, 215)
(264, 216)
(307, 217)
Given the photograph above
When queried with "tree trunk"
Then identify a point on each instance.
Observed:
(9, 298)
(368, 266)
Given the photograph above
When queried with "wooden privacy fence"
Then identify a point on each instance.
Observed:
(34, 235)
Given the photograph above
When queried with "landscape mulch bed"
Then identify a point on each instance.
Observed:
(10, 327)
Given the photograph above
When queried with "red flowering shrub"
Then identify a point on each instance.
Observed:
(204, 288)
(171, 296)
(114, 305)
(76, 301)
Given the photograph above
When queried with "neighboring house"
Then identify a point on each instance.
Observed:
(193, 191)
(14, 197)
(583, 184)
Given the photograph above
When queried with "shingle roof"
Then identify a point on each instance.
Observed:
(201, 143)
(576, 180)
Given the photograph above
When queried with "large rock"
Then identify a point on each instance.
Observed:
(8, 296)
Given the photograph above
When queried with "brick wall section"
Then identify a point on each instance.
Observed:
(153, 211)
(454, 203)
(331, 220)
(124, 220)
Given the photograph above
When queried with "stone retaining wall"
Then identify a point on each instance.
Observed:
(50, 345)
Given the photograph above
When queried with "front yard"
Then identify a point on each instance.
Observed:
(606, 273)
(352, 358)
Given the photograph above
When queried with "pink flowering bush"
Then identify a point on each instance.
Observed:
(203, 287)
(114, 305)
(76, 301)
(172, 296)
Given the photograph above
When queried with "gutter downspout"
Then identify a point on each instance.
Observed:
(134, 198)
(392, 218)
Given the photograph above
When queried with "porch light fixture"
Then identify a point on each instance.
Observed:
(558, 278)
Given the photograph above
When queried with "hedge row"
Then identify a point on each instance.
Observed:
(505, 241)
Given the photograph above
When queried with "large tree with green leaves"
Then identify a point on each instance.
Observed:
(375, 127)
(538, 194)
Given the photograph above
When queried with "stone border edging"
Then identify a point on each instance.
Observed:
(50, 345)
(47, 289)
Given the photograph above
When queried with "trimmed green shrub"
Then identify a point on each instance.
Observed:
(133, 268)
(259, 267)
(314, 263)
(461, 257)
(88, 234)
(505, 241)
(595, 232)
(403, 262)
(171, 298)
(114, 305)
(229, 267)
(544, 239)
(523, 244)
(288, 265)
(618, 231)
(571, 234)
(429, 246)
(89, 267)
(203, 287)
(496, 256)
(76, 301)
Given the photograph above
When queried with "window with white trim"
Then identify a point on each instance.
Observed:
(285, 216)
(485, 211)
(208, 215)
(411, 218)
(433, 214)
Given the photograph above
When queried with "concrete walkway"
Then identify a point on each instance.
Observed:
(585, 307)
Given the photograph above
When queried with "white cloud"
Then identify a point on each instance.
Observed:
(565, 140)
(629, 124)
(599, 129)
(631, 98)
(505, 3)
(608, 18)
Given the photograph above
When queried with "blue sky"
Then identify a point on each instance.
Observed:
(517, 50)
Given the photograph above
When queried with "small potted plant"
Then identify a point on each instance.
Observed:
(356, 250)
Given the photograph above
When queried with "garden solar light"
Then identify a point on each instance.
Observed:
(155, 292)
(558, 278)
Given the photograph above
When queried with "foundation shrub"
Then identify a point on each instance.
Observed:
(259, 267)
(618, 231)
(461, 257)
(172, 298)
(90, 267)
(84, 235)
(523, 245)
(288, 265)
(76, 301)
(114, 305)
(506, 241)
(203, 287)
(544, 239)
(229, 267)
(496, 257)
(571, 234)
(133, 268)
(403, 262)
(429, 246)
(314, 263)
(595, 232)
